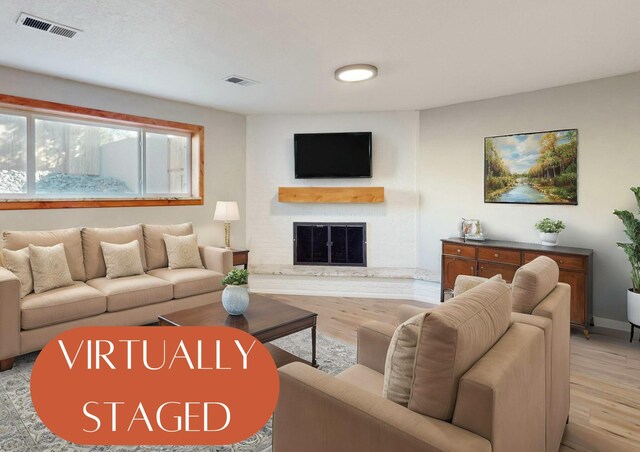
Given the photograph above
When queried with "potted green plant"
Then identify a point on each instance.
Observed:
(632, 229)
(549, 230)
(235, 298)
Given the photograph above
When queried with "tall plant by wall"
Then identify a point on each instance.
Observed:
(632, 229)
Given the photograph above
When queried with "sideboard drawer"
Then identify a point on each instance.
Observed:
(499, 255)
(488, 270)
(459, 250)
(563, 261)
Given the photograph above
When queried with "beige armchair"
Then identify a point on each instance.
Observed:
(470, 357)
(538, 300)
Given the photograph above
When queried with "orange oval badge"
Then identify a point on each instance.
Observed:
(154, 385)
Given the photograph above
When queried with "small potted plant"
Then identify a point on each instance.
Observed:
(235, 297)
(632, 229)
(549, 230)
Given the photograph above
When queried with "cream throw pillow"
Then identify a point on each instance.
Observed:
(401, 357)
(49, 267)
(19, 264)
(122, 260)
(465, 282)
(182, 251)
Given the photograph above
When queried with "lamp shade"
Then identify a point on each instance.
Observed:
(226, 211)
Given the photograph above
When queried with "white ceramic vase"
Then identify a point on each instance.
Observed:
(633, 307)
(235, 299)
(549, 238)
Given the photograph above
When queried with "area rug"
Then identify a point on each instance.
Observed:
(21, 429)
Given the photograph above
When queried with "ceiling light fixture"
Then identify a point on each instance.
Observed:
(356, 73)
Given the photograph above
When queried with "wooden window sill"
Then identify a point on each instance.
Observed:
(22, 204)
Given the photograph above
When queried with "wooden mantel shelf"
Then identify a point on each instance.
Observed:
(331, 194)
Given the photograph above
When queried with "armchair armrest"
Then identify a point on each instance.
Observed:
(216, 259)
(9, 314)
(373, 342)
(317, 413)
(406, 311)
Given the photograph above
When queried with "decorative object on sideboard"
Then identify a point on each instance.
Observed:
(472, 230)
(549, 231)
(532, 168)
(235, 298)
(632, 229)
(227, 211)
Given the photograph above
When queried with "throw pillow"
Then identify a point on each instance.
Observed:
(465, 282)
(19, 264)
(182, 251)
(49, 267)
(122, 260)
(401, 357)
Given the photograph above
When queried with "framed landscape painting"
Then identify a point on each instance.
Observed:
(532, 168)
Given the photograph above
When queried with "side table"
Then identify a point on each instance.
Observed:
(240, 257)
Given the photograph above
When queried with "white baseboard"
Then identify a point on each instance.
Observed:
(403, 289)
(612, 324)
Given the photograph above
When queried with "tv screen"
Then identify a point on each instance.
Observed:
(332, 155)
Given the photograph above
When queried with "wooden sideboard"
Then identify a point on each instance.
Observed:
(492, 257)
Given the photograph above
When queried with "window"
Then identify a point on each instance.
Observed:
(51, 159)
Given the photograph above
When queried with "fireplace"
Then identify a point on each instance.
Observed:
(330, 244)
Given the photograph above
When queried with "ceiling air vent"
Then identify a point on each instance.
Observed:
(242, 81)
(46, 25)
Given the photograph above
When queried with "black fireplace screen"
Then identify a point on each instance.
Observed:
(330, 244)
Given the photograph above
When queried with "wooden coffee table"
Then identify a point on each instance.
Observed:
(265, 319)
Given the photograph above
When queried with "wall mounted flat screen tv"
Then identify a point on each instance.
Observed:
(332, 155)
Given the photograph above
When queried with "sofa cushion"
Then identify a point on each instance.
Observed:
(133, 291)
(467, 282)
(154, 243)
(122, 260)
(182, 251)
(455, 336)
(91, 237)
(532, 283)
(18, 263)
(49, 267)
(364, 378)
(190, 281)
(16, 240)
(401, 358)
(61, 305)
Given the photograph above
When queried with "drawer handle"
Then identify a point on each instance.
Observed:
(481, 268)
(496, 255)
(561, 261)
(471, 268)
(458, 250)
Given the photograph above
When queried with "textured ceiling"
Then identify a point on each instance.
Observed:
(429, 52)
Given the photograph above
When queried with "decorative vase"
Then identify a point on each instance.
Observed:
(235, 299)
(549, 238)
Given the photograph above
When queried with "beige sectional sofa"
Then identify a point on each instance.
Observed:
(27, 324)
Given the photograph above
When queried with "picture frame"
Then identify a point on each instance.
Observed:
(532, 168)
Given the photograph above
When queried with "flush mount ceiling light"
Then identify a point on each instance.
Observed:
(356, 73)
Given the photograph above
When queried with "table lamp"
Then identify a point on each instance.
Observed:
(227, 211)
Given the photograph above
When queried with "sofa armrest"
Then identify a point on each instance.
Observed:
(216, 259)
(317, 412)
(9, 314)
(406, 311)
(373, 342)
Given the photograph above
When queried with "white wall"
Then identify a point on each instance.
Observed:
(450, 173)
(224, 158)
(391, 226)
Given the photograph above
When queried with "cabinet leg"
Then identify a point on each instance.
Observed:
(6, 364)
(631, 338)
(586, 333)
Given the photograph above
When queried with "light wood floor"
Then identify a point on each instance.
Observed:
(605, 372)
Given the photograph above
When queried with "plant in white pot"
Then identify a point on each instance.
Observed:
(235, 298)
(549, 230)
(632, 229)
